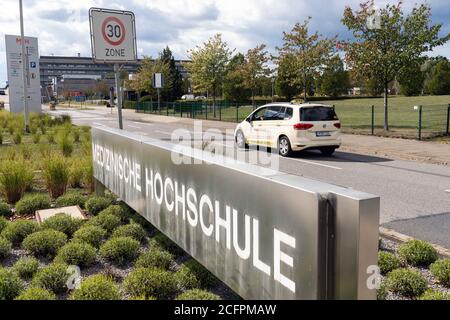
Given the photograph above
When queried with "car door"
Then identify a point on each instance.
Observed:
(256, 126)
(273, 120)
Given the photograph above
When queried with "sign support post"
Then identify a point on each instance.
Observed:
(119, 94)
(24, 59)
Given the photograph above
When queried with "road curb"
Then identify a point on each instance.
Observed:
(402, 238)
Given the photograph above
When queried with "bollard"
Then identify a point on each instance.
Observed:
(373, 120)
(420, 123)
(448, 120)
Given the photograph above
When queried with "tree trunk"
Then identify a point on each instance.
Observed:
(253, 98)
(305, 98)
(386, 109)
(214, 103)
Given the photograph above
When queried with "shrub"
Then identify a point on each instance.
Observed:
(51, 137)
(44, 243)
(17, 138)
(118, 211)
(383, 291)
(53, 277)
(76, 135)
(71, 199)
(26, 152)
(62, 223)
(106, 221)
(435, 295)
(10, 284)
(144, 282)
(65, 144)
(14, 179)
(441, 271)
(36, 138)
(88, 176)
(154, 258)
(5, 248)
(95, 205)
(26, 267)
(36, 293)
(406, 282)
(120, 251)
(56, 175)
(76, 175)
(5, 210)
(16, 231)
(193, 275)
(96, 287)
(418, 253)
(132, 230)
(196, 294)
(387, 262)
(92, 235)
(77, 253)
(1, 138)
(29, 204)
(3, 223)
(165, 243)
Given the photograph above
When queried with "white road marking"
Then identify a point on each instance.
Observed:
(129, 125)
(99, 124)
(448, 191)
(314, 163)
(164, 132)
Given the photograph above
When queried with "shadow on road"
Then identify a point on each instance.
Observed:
(339, 157)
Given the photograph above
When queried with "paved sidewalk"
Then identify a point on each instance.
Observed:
(402, 149)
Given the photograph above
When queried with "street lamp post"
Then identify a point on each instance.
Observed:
(24, 71)
(273, 88)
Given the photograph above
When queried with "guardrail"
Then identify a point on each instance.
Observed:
(266, 234)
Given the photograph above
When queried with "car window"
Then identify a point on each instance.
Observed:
(274, 113)
(288, 114)
(318, 114)
(259, 115)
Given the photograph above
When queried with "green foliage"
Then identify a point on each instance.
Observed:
(5, 248)
(56, 175)
(62, 223)
(119, 211)
(439, 84)
(29, 204)
(10, 284)
(435, 295)
(26, 152)
(233, 87)
(36, 293)
(418, 253)
(26, 267)
(92, 235)
(196, 294)
(335, 80)
(107, 221)
(71, 199)
(76, 135)
(441, 271)
(132, 230)
(77, 253)
(50, 137)
(150, 282)
(16, 231)
(193, 275)
(15, 177)
(76, 174)
(406, 282)
(44, 243)
(65, 144)
(161, 241)
(387, 262)
(3, 223)
(154, 258)
(5, 210)
(36, 138)
(411, 80)
(52, 278)
(383, 291)
(17, 138)
(120, 251)
(96, 287)
(95, 205)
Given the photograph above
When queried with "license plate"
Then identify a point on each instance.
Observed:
(323, 133)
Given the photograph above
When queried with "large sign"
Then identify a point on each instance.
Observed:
(266, 234)
(113, 35)
(14, 63)
(158, 81)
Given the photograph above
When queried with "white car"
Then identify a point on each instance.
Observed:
(291, 127)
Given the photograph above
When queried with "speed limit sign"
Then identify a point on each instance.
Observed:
(113, 35)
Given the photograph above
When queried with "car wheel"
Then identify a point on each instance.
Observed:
(240, 140)
(329, 151)
(284, 147)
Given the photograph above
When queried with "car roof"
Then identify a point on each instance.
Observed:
(296, 105)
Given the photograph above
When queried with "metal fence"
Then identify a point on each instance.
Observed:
(418, 122)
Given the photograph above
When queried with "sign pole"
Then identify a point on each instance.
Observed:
(24, 71)
(119, 94)
(159, 100)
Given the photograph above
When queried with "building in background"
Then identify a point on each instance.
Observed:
(70, 76)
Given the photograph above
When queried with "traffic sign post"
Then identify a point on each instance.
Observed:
(158, 83)
(113, 40)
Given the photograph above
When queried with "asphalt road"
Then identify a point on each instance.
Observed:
(415, 197)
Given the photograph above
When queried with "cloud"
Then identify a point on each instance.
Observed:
(63, 27)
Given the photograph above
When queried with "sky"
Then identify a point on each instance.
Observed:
(62, 26)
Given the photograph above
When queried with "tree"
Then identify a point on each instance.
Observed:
(385, 49)
(335, 80)
(305, 55)
(101, 89)
(285, 83)
(208, 66)
(234, 88)
(174, 76)
(255, 69)
(411, 80)
(439, 83)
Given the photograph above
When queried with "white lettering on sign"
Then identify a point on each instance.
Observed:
(222, 222)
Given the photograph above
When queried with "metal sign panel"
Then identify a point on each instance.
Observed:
(113, 35)
(15, 74)
(266, 234)
(158, 81)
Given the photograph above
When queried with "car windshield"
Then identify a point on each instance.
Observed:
(318, 114)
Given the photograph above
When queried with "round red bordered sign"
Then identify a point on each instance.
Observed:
(113, 34)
